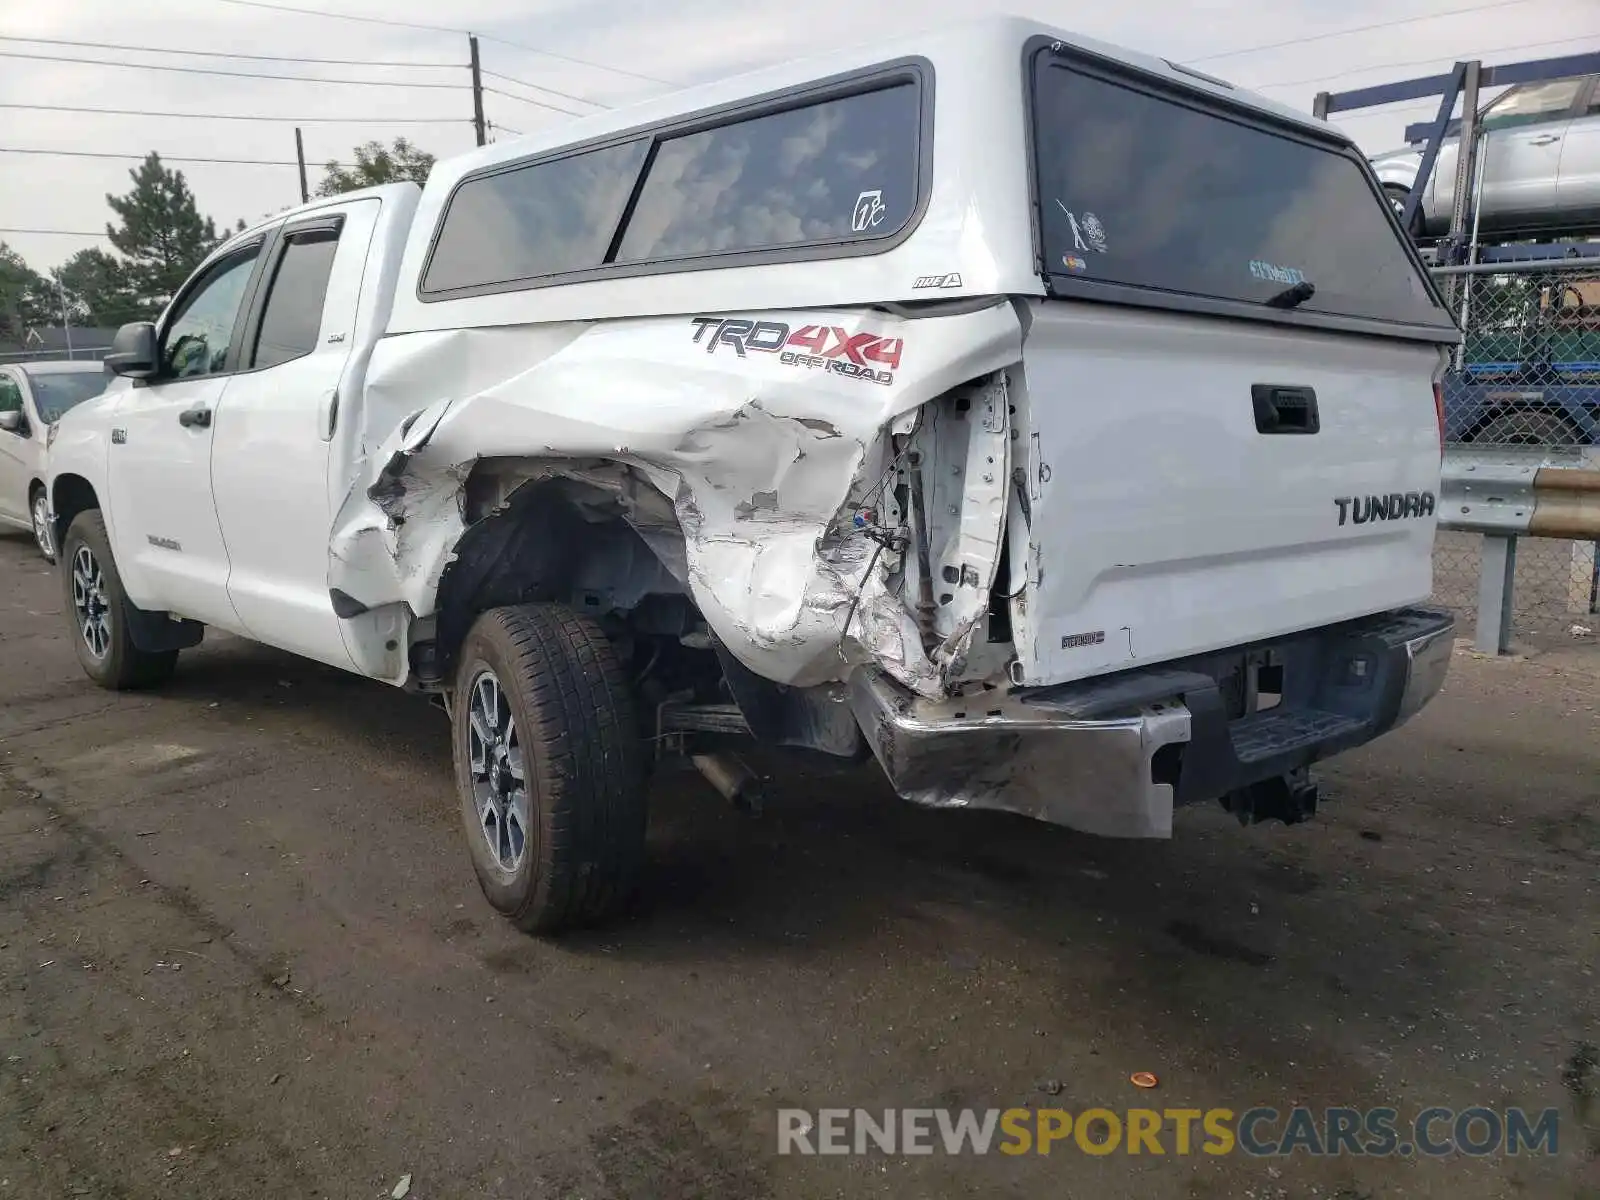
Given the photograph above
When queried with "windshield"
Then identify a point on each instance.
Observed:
(1142, 190)
(54, 392)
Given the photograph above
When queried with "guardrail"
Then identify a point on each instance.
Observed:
(1505, 496)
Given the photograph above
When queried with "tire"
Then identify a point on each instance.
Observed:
(39, 514)
(563, 727)
(98, 607)
(1397, 197)
(1538, 427)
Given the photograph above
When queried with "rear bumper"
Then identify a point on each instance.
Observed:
(1116, 754)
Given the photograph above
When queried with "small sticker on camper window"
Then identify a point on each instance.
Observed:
(1270, 273)
(1073, 263)
(869, 211)
(1094, 232)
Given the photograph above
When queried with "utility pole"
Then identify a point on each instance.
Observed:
(300, 156)
(477, 91)
(66, 315)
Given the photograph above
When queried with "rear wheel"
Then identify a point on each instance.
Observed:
(39, 510)
(549, 767)
(98, 608)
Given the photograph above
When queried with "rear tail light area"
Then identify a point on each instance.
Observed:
(1438, 411)
(1439, 373)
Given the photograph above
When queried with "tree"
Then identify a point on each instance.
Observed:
(376, 163)
(24, 296)
(98, 289)
(163, 237)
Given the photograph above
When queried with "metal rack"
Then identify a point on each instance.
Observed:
(1464, 82)
(1546, 488)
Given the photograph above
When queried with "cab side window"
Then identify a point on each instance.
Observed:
(292, 318)
(1533, 104)
(196, 340)
(10, 395)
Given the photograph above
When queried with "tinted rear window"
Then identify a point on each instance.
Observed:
(1149, 192)
(829, 172)
(544, 219)
(837, 172)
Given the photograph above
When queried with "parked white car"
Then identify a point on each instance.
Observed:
(32, 397)
(1540, 161)
(1056, 425)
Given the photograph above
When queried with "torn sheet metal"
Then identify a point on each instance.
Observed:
(768, 434)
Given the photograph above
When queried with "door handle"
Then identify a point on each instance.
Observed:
(1544, 139)
(195, 418)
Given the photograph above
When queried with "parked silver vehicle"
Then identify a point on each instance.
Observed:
(1541, 164)
(32, 398)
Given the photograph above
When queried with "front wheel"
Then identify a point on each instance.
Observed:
(39, 510)
(98, 609)
(1397, 197)
(549, 767)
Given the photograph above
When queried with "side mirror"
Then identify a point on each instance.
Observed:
(133, 351)
(11, 421)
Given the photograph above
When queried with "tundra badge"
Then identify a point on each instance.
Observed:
(1393, 507)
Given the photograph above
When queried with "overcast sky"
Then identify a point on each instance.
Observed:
(619, 43)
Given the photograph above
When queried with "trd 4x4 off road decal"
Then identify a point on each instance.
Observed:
(823, 347)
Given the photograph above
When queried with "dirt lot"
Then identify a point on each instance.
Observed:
(242, 955)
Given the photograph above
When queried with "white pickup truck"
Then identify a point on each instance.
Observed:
(1056, 424)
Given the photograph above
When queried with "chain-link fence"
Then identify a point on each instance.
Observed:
(84, 353)
(1527, 379)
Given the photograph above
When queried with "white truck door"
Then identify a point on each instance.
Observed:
(164, 529)
(271, 453)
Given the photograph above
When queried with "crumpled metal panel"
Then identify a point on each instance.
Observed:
(765, 447)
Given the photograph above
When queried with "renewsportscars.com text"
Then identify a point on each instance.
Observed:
(1259, 1132)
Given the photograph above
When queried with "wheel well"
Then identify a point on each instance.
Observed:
(1506, 411)
(73, 495)
(35, 486)
(560, 540)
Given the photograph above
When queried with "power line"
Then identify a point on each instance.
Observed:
(537, 103)
(584, 62)
(335, 62)
(499, 128)
(1419, 62)
(143, 112)
(57, 232)
(1319, 37)
(539, 87)
(100, 62)
(246, 162)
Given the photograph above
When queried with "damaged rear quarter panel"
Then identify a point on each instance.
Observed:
(758, 440)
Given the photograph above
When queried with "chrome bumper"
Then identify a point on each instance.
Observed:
(1055, 754)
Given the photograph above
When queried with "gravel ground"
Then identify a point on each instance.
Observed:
(242, 955)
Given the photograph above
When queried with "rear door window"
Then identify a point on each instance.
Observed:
(1147, 196)
(292, 318)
